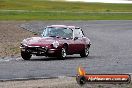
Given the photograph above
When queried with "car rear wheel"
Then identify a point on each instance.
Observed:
(26, 56)
(85, 52)
(63, 53)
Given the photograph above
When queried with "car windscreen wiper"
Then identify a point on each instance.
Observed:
(65, 38)
(54, 36)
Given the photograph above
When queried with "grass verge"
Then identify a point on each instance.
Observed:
(63, 16)
(49, 10)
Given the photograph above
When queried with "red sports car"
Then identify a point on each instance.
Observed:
(56, 41)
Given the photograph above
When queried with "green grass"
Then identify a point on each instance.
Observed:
(63, 16)
(49, 10)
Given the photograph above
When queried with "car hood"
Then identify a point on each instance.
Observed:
(41, 41)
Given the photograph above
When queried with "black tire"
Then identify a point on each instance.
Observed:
(63, 54)
(85, 52)
(25, 55)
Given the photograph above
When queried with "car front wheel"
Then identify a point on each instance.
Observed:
(63, 54)
(85, 52)
(26, 56)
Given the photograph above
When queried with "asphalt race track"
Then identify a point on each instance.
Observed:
(110, 52)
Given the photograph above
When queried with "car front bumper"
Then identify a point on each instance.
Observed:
(41, 51)
(53, 52)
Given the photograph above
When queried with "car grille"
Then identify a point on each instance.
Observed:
(36, 49)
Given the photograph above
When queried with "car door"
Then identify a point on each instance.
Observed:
(69, 40)
(78, 40)
(71, 46)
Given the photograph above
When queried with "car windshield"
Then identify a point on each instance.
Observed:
(58, 32)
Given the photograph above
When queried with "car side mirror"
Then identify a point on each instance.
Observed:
(75, 38)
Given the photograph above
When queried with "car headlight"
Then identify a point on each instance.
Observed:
(23, 45)
(55, 44)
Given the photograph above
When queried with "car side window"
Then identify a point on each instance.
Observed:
(78, 33)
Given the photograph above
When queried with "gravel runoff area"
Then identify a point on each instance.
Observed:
(11, 35)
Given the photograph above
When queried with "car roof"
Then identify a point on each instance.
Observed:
(65, 26)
